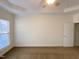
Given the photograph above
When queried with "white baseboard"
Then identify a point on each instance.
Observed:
(38, 45)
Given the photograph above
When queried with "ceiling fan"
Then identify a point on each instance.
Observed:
(53, 3)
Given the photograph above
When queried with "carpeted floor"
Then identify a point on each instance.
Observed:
(43, 53)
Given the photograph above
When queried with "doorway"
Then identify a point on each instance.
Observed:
(76, 41)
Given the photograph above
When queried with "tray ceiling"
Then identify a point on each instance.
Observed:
(35, 6)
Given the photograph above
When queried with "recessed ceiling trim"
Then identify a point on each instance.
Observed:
(11, 7)
(15, 6)
(70, 9)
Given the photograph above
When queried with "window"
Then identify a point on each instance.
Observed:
(4, 33)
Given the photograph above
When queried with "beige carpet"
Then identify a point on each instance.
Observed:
(43, 53)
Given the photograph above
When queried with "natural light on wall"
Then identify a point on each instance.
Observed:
(49, 2)
(4, 33)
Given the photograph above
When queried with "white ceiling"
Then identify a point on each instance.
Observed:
(35, 3)
(32, 6)
(70, 3)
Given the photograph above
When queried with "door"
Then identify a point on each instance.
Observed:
(68, 35)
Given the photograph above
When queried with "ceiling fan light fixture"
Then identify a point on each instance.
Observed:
(49, 2)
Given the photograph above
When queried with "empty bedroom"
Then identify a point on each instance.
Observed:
(39, 29)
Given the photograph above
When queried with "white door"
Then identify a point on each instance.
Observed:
(68, 35)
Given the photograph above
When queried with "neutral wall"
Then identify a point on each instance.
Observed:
(41, 30)
(76, 18)
(4, 14)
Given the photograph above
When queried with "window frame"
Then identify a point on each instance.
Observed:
(8, 32)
